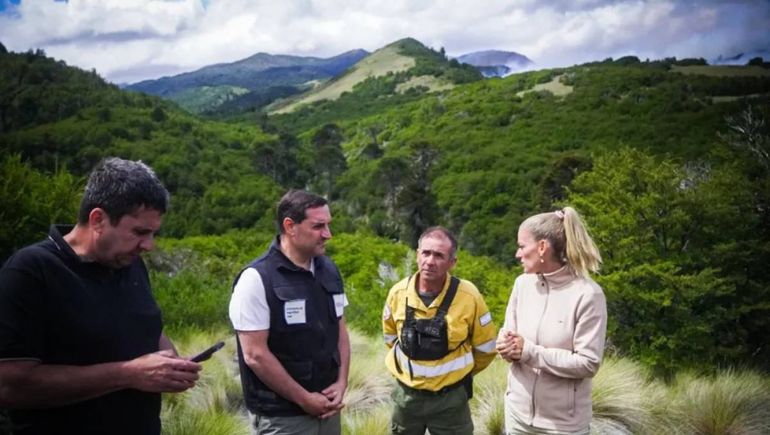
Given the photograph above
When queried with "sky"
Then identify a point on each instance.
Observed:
(126, 41)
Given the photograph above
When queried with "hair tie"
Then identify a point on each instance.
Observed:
(559, 214)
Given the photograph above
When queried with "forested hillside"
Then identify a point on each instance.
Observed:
(669, 165)
(247, 84)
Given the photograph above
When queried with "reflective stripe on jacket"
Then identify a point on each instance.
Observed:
(471, 334)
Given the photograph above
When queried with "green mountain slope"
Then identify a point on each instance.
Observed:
(404, 66)
(261, 74)
(492, 149)
(60, 118)
(668, 165)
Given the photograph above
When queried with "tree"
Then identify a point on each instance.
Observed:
(329, 158)
(31, 201)
(416, 202)
(677, 276)
(748, 133)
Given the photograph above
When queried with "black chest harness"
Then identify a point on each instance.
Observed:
(427, 339)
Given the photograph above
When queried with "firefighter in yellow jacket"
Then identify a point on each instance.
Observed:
(440, 334)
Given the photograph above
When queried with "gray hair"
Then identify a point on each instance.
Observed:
(121, 187)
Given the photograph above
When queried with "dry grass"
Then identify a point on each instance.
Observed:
(625, 400)
(732, 403)
(555, 86)
(487, 405)
(215, 405)
(376, 64)
(431, 82)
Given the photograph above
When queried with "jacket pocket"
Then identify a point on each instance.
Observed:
(571, 395)
(294, 308)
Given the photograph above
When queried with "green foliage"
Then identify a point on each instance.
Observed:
(203, 98)
(192, 278)
(37, 89)
(369, 267)
(30, 201)
(666, 318)
(329, 158)
(681, 219)
(435, 63)
(675, 277)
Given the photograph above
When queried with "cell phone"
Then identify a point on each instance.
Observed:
(206, 354)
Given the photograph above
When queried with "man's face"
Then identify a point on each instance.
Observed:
(309, 236)
(433, 257)
(119, 245)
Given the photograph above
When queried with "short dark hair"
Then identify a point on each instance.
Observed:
(121, 187)
(444, 233)
(294, 204)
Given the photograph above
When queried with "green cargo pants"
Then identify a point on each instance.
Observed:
(446, 413)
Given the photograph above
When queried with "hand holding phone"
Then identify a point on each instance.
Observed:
(206, 354)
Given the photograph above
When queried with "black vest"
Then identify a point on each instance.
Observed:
(307, 350)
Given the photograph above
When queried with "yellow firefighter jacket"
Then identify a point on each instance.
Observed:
(471, 335)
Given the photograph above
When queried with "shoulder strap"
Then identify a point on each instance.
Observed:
(448, 298)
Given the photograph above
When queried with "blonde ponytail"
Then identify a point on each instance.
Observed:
(568, 237)
(582, 254)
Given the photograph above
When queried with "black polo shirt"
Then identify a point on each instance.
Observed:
(58, 309)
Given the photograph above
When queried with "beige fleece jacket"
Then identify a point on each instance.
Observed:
(563, 319)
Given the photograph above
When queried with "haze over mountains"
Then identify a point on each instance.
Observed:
(496, 63)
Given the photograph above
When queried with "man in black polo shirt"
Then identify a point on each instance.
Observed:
(81, 344)
(287, 309)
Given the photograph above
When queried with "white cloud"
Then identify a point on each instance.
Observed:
(129, 40)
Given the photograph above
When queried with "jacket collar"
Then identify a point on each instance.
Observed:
(285, 262)
(55, 235)
(412, 289)
(559, 278)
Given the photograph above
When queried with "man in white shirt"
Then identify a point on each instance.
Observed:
(287, 309)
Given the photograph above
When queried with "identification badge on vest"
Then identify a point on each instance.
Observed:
(339, 304)
(294, 312)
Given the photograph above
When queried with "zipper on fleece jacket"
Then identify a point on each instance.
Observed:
(544, 283)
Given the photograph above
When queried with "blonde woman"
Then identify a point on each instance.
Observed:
(555, 326)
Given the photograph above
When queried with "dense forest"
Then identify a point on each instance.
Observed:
(667, 160)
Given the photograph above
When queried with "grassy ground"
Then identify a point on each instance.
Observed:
(555, 86)
(377, 64)
(431, 82)
(625, 399)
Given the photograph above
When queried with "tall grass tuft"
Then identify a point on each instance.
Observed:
(624, 400)
(487, 404)
(215, 405)
(369, 384)
(732, 402)
(371, 421)
(181, 420)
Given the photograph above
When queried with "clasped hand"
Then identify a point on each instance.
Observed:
(509, 345)
(326, 403)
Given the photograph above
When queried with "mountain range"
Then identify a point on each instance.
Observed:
(258, 78)
(277, 81)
